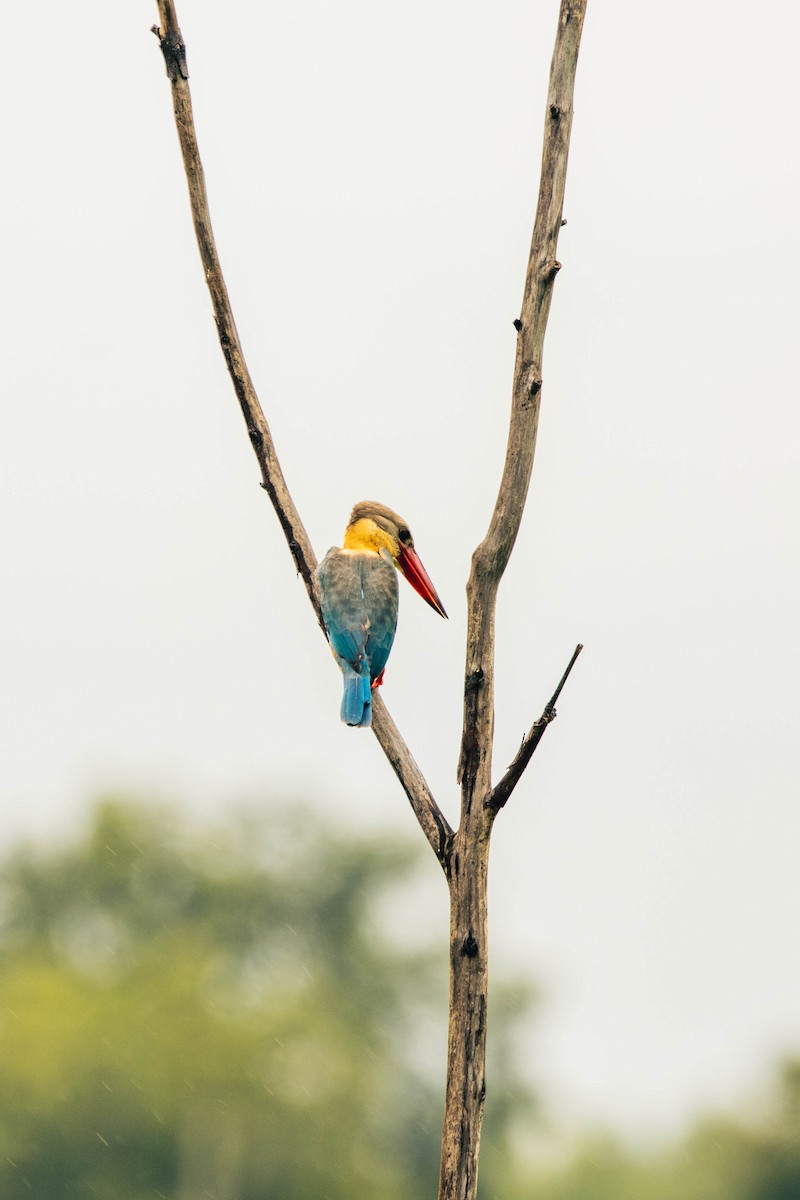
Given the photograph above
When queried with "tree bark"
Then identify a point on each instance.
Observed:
(464, 854)
(466, 1048)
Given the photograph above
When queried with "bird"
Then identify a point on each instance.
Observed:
(359, 595)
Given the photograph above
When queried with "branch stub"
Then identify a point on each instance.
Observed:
(174, 50)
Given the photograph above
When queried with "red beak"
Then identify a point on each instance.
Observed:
(410, 564)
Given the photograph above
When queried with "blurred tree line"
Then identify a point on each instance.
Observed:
(221, 1015)
(723, 1158)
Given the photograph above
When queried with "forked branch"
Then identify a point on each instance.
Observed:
(463, 854)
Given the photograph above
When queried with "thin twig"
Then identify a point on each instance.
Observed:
(433, 823)
(501, 792)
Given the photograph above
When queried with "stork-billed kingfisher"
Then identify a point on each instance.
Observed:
(358, 588)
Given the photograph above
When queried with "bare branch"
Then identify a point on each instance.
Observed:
(464, 854)
(272, 479)
(466, 1037)
(490, 559)
(427, 811)
(501, 792)
(433, 823)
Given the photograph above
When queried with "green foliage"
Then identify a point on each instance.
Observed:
(220, 1015)
(721, 1159)
(211, 1012)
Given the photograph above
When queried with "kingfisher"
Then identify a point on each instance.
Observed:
(358, 588)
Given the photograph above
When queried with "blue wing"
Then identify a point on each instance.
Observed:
(380, 591)
(359, 596)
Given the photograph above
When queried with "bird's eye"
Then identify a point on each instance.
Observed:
(405, 536)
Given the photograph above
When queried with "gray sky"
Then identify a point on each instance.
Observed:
(372, 172)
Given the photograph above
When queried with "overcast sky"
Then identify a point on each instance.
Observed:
(372, 171)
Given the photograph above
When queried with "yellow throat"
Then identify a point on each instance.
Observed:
(365, 536)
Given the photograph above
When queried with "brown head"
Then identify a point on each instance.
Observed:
(374, 527)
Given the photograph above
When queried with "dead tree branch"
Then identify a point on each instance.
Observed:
(434, 825)
(272, 480)
(491, 557)
(463, 854)
(501, 791)
(469, 864)
(426, 810)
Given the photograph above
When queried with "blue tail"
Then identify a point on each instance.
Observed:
(357, 698)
